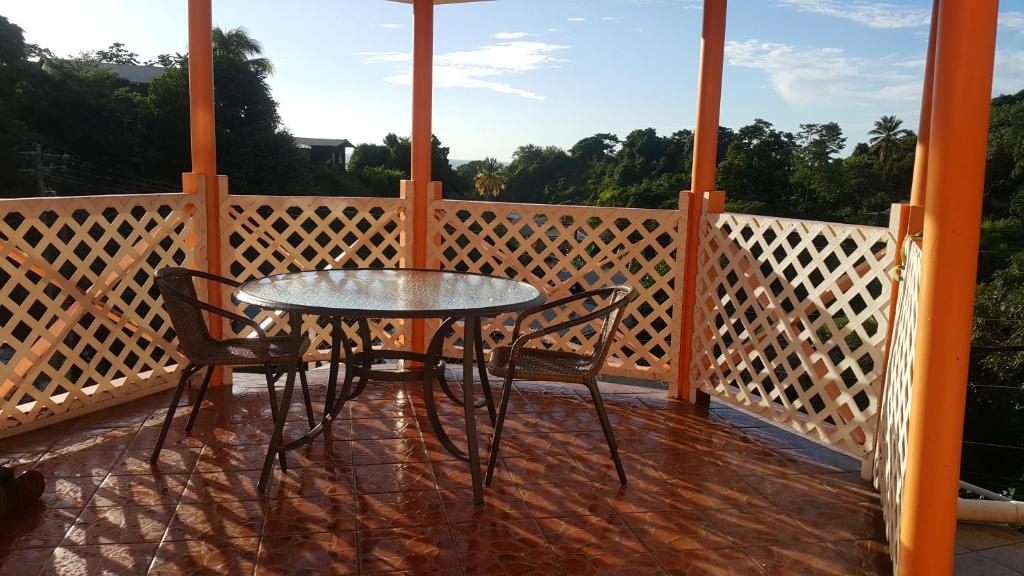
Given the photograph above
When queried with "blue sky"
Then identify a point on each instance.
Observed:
(512, 72)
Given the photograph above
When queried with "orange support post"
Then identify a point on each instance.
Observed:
(204, 142)
(917, 192)
(705, 163)
(422, 138)
(962, 92)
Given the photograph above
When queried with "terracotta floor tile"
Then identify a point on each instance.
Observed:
(140, 489)
(222, 458)
(590, 536)
(536, 446)
(24, 561)
(500, 503)
(312, 482)
(380, 428)
(761, 527)
(396, 549)
(69, 492)
(87, 462)
(324, 452)
(552, 500)
(172, 461)
(38, 527)
(840, 521)
(801, 559)
(869, 557)
(606, 565)
(408, 477)
(562, 469)
(102, 560)
(677, 530)
(690, 464)
(333, 554)
(399, 509)
(215, 557)
(977, 536)
(222, 487)
(726, 491)
(120, 525)
(520, 542)
(455, 474)
(292, 516)
(718, 562)
(393, 450)
(216, 521)
(974, 564)
(384, 408)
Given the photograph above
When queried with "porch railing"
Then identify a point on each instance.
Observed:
(81, 323)
(568, 249)
(791, 323)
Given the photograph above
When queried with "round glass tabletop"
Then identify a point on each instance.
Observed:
(389, 293)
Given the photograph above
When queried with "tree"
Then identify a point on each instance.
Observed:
(885, 137)
(237, 45)
(817, 169)
(757, 169)
(490, 181)
(116, 54)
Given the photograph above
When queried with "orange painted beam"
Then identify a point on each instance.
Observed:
(422, 138)
(705, 154)
(961, 100)
(203, 135)
(917, 191)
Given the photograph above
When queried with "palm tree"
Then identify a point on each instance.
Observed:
(236, 44)
(885, 138)
(490, 180)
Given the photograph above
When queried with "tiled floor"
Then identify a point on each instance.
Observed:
(712, 493)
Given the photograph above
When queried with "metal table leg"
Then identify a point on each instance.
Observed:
(468, 408)
(295, 321)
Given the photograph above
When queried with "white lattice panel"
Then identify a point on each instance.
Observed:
(81, 323)
(265, 235)
(568, 249)
(791, 323)
(894, 415)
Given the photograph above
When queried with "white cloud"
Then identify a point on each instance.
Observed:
(610, 18)
(1011, 21)
(828, 75)
(390, 26)
(1009, 72)
(577, 19)
(872, 14)
(510, 35)
(480, 68)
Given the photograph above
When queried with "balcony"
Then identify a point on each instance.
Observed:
(792, 324)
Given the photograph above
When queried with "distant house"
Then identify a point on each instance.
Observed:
(134, 75)
(325, 151)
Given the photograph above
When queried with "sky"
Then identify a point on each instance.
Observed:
(550, 72)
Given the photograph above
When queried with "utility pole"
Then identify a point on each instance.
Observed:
(42, 167)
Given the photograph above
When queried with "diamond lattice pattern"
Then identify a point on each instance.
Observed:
(266, 235)
(81, 323)
(894, 417)
(568, 249)
(791, 322)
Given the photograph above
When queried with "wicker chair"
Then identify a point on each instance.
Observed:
(177, 287)
(520, 361)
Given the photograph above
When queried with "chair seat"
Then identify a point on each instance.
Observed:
(539, 364)
(252, 351)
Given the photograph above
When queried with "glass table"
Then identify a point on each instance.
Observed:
(365, 294)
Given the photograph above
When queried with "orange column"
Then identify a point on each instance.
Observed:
(422, 108)
(961, 98)
(204, 143)
(925, 124)
(705, 155)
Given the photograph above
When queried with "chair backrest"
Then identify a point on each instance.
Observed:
(611, 315)
(178, 290)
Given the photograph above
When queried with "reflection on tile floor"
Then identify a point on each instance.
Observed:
(709, 493)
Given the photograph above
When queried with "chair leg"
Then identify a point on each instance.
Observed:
(492, 456)
(182, 382)
(305, 395)
(199, 400)
(607, 427)
(271, 378)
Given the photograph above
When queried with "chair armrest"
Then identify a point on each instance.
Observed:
(553, 304)
(220, 311)
(519, 342)
(215, 278)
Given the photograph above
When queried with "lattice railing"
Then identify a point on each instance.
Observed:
(265, 235)
(894, 416)
(567, 249)
(791, 323)
(81, 324)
